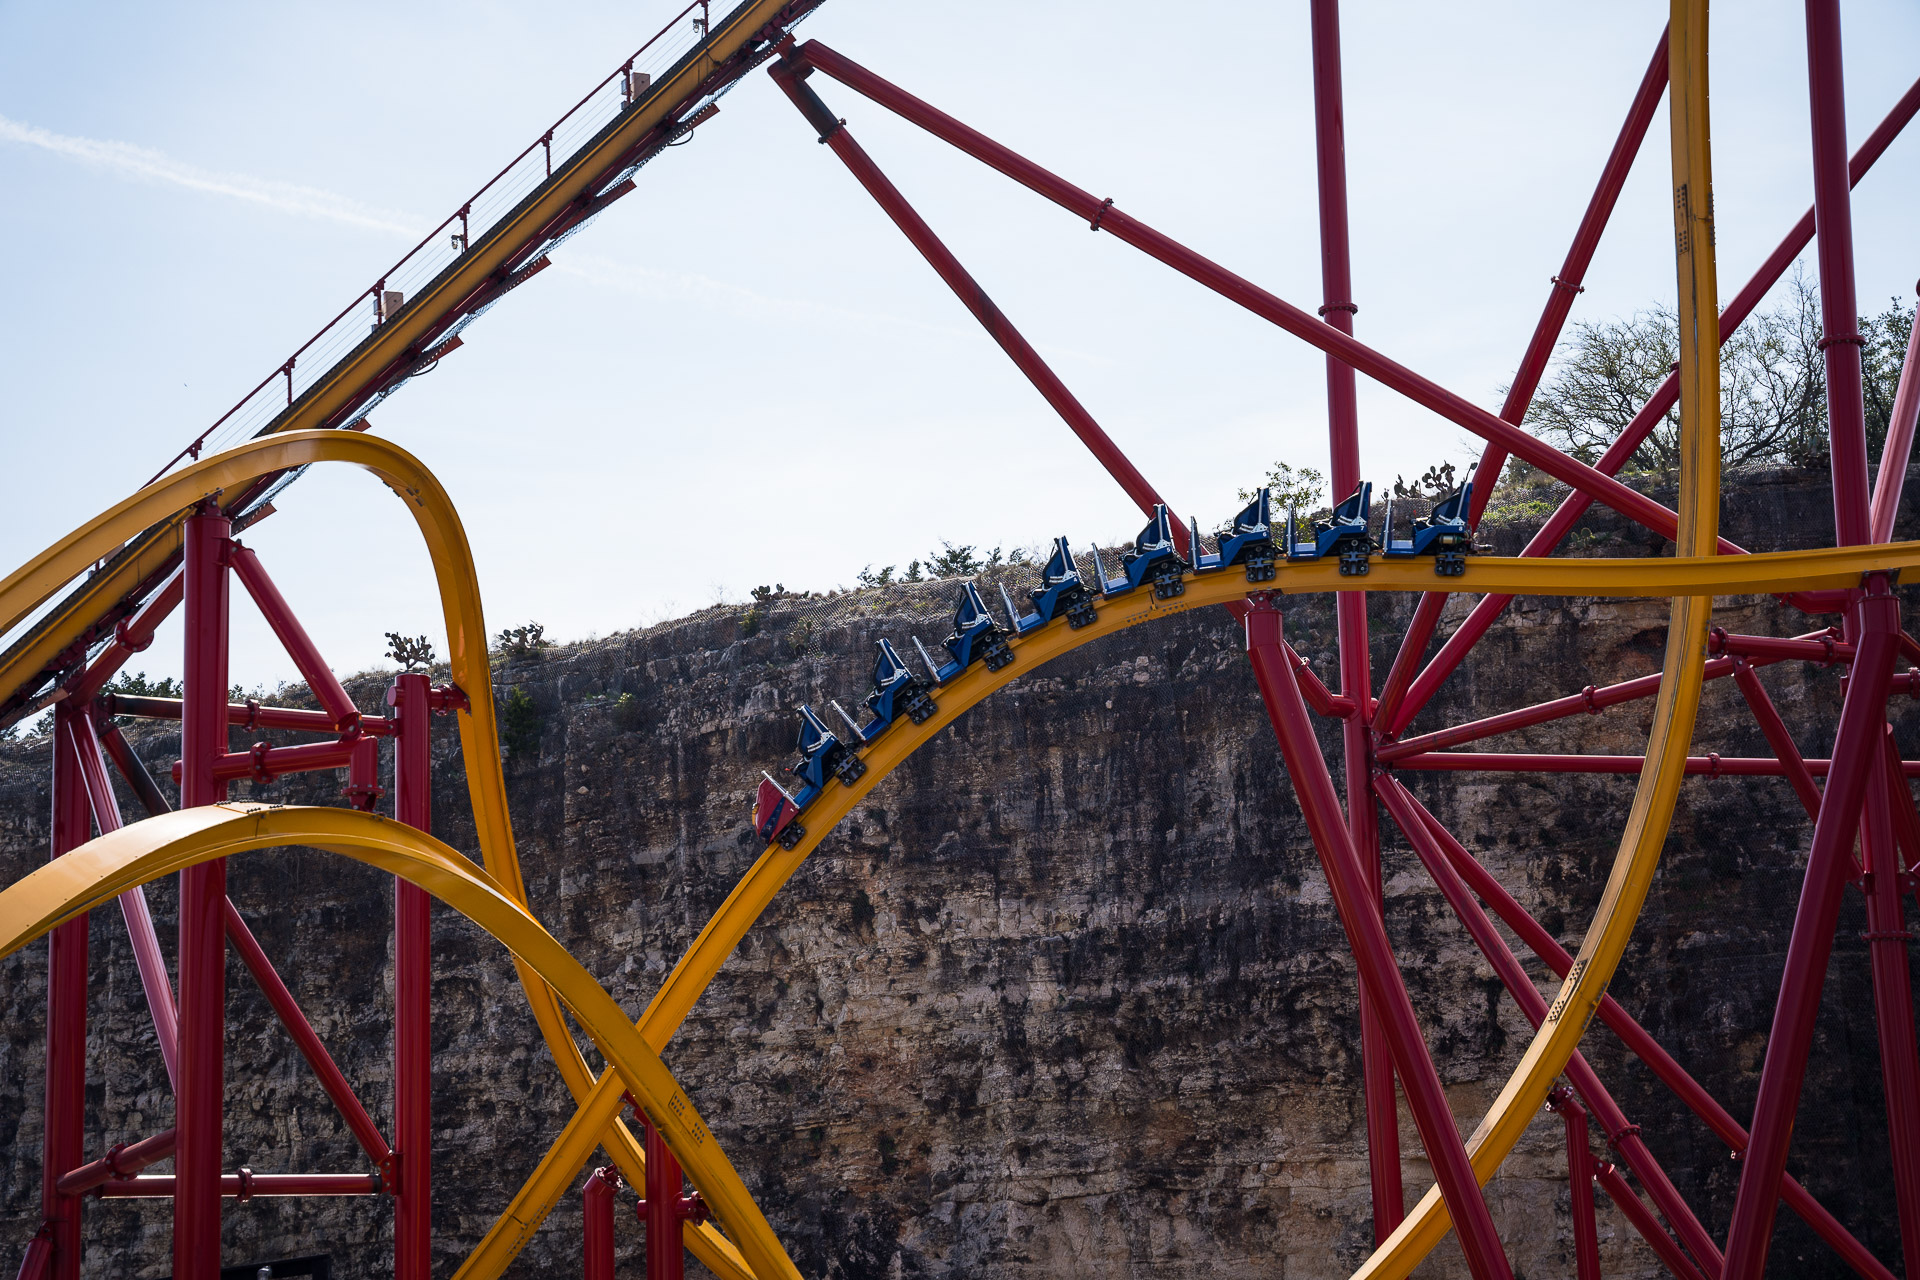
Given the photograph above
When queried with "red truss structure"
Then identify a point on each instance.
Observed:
(1858, 795)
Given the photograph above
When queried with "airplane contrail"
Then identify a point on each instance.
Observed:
(131, 161)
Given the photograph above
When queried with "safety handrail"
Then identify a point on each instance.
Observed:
(664, 55)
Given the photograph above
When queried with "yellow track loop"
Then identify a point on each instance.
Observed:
(100, 870)
(391, 342)
(1679, 698)
(459, 589)
(763, 881)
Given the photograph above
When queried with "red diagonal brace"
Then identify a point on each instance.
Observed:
(1546, 333)
(294, 638)
(1645, 1223)
(1367, 936)
(365, 1132)
(148, 960)
(833, 132)
(1888, 947)
(1855, 752)
(1423, 391)
(1417, 825)
(1645, 1047)
(1775, 730)
(1396, 713)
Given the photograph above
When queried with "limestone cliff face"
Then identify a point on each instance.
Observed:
(1066, 997)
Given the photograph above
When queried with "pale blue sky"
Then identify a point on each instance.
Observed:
(742, 373)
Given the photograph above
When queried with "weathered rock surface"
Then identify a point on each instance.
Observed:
(1066, 997)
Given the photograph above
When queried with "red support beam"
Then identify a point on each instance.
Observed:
(1586, 1235)
(1888, 945)
(1824, 647)
(246, 715)
(1643, 1046)
(1892, 476)
(363, 790)
(1906, 821)
(1765, 649)
(148, 960)
(1103, 216)
(63, 1143)
(293, 638)
(121, 1162)
(1567, 284)
(1589, 701)
(1839, 308)
(203, 901)
(665, 1209)
(1775, 730)
(1622, 1135)
(266, 762)
(1697, 766)
(1546, 335)
(410, 698)
(1350, 607)
(121, 753)
(1397, 711)
(833, 132)
(37, 1264)
(1645, 1223)
(130, 637)
(247, 1185)
(1367, 937)
(331, 1078)
(1856, 751)
(666, 1250)
(597, 1222)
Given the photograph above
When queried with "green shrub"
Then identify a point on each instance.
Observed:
(520, 725)
(522, 642)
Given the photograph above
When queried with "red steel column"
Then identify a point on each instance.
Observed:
(1839, 313)
(63, 1147)
(1367, 938)
(1350, 608)
(1586, 1233)
(666, 1254)
(203, 903)
(1887, 947)
(1857, 744)
(412, 983)
(597, 1223)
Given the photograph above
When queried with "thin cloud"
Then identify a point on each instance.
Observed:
(129, 161)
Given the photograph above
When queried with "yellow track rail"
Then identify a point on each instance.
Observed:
(597, 1120)
(139, 534)
(1679, 699)
(389, 344)
(100, 870)
(459, 588)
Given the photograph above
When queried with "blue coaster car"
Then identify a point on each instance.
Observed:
(1444, 534)
(1153, 559)
(976, 637)
(895, 690)
(1248, 542)
(1345, 534)
(821, 755)
(1060, 591)
(774, 811)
